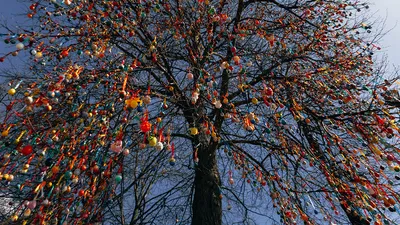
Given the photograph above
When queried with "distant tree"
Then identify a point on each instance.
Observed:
(199, 111)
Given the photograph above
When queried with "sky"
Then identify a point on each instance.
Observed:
(389, 10)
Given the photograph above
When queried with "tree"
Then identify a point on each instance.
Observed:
(269, 106)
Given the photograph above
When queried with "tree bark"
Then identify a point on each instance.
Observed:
(207, 204)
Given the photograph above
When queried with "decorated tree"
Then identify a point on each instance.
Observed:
(199, 111)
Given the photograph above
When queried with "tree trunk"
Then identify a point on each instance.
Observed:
(207, 204)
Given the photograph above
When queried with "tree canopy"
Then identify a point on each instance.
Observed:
(199, 111)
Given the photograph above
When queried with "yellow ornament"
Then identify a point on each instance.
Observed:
(27, 212)
(152, 141)
(134, 102)
(194, 130)
(12, 91)
(14, 218)
(254, 101)
(38, 55)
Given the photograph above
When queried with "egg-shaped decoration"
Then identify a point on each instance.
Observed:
(172, 161)
(152, 141)
(193, 130)
(12, 91)
(27, 150)
(159, 146)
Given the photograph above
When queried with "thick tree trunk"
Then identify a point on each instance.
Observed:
(207, 204)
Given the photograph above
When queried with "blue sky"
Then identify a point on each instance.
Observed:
(390, 44)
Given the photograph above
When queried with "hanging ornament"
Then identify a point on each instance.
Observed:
(152, 141)
(236, 59)
(27, 150)
(218, 104)
(145, 126)
(20, 46)
(116, 146)
(193, 131)
(195, 97)
(12, 91)
(159, 146)
(31, 204)
(147, 99)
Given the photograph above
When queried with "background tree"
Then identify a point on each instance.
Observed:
(259, 107)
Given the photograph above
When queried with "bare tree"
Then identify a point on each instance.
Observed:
(199, 111)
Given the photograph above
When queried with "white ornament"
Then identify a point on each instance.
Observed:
(20, 46)
(159, 146)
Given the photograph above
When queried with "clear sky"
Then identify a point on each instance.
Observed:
(390, 44)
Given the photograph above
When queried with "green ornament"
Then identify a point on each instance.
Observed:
(68, 175)
(118, 178)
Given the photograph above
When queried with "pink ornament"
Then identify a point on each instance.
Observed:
(31, 204)
(116, 146)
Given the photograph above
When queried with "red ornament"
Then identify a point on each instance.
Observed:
(64, 53)
(145, 126)
(81, 193)
(27, 150)
(269, 92)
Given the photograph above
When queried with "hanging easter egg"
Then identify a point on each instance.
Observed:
(159, 146)
(152, 141)
(27, 150)
(20, 46)
(172, 161)
(38, 55)
(81, 193)
(77, 172)
(27, 212)
(269, 92)
(133, 103)
(254, 101)
(14, 218)
(224, 65)
(33, 52)
(193, 130)
(218, 104)
(46, 202)
(145, 126)
(236, 59)
(12, 91)
(116, 146)
(195, 97)
(64, 53)
(28, 100)
(146, 99)
(125, 152)
(68, 175)
(10, 177)
(118, 178)
(31, 204)
(190, 76)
